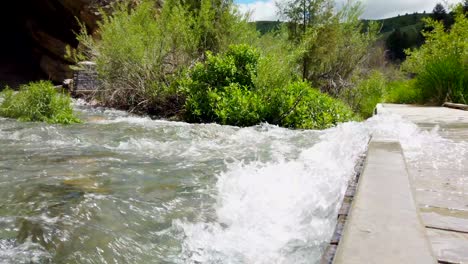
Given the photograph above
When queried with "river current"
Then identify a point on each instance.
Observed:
(126, 189)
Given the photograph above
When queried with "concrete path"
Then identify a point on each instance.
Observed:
(421, 210)
(384, 226)
(441, 194)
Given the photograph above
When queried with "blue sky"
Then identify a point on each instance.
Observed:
(266, 9)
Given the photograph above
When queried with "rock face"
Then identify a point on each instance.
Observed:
(47, 28)
(53, 61)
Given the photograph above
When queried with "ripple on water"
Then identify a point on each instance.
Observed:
(129, 189)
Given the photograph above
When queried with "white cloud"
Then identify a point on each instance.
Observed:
(374, 9)
(260, 10)
(385, 8)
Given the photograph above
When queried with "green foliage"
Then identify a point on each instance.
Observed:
(400, 33)
(378, 88)
(441, 65)
(230, 89)
(399, 22)
(236, 105)
(140, 52)
(267, 26)
(219, 24)
(403, 92)
(38, 101)
(366, 94)
(401, 39)
(193, 59)
(444, 79)
(143, 51)
(329, 45)
(218, 77)
(300, 106)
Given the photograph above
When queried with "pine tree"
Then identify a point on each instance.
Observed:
(439, 13)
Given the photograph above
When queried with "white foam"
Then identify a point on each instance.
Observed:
(283, 211)
(268, 212)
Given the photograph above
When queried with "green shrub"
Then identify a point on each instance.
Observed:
(300, 106)
(227, 89)
(444, 79)
(38, 101)
(218, 78)
(403, 92)
(441, 64)
(366, 94)
(142, 50)
(238, 106)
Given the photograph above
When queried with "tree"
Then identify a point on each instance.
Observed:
(439, 13)
(329, 45)
(465, 7)
(303, 14)
(396, 43)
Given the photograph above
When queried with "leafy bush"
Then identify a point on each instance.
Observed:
(219, 77)
(441, 65)
(37, 101)
(403, 92)
(227, 89)
(300, 106)
(366, 94)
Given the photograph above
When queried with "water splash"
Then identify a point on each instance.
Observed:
(280, 211)
(122, 188)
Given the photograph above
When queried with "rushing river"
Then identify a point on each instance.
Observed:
(126, 189)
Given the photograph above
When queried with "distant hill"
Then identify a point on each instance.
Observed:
(401, 33)
(408, 23)
(400, 22)
(266, 26)
(397, 33)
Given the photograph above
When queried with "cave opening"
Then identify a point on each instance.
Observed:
(34, 34)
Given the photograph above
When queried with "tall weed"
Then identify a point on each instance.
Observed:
(444, 79)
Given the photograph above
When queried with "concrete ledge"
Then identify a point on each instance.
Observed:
(384, 225)
(329, 254)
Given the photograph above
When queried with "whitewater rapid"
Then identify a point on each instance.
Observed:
(126, 189)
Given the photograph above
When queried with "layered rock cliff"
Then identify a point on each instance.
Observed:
(36, 33)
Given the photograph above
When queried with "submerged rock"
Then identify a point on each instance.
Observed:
(86, 185)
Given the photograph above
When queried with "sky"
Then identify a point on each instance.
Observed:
(374, 9)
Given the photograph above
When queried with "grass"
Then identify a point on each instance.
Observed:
(403, 92)
(444, 79)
